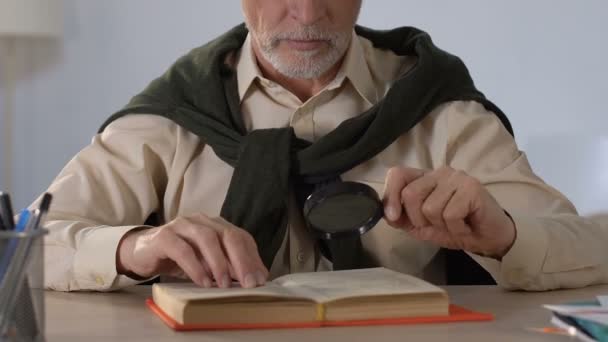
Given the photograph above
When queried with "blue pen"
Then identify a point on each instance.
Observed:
(15, 283)
(24, 217)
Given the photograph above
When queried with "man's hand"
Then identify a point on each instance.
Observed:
(448, 208)
(200, 248)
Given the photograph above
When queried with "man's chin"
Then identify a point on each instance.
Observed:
(302, 71)
(302, 65)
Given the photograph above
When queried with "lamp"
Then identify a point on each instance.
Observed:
(21, 19)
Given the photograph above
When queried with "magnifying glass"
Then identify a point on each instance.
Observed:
(341, 210)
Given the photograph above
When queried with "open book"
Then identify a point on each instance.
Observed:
(306, 299)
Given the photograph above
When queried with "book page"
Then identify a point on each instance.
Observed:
(190, 291)
(330, 286)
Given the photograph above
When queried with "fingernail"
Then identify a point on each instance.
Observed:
(207, 283)
(225, 282)
(260, 277)
(249, 281)
(391, 213)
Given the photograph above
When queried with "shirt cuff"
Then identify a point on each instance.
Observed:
(522, 265)
(95, 260)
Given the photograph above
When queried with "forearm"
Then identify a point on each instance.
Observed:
(552, 251)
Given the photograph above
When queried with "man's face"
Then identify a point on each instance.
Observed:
(301, 38)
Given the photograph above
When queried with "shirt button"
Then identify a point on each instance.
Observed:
(99, 280)
(516, 276)
(300, 257)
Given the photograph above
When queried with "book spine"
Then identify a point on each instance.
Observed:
(320, 312)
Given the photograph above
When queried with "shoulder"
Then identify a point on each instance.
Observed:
(147, 129)
(144, 125)
(467, 117)
(384, 65)
(463, 127)
(139, 123)
(456, 118)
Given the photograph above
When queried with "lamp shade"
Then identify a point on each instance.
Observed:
(31, 18)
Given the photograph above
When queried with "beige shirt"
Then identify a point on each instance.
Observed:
(145, 164)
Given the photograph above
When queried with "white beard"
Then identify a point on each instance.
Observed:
(305, 64)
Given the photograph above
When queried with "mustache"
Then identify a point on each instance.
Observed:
(306, 33)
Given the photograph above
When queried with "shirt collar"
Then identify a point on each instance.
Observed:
(247, 69)
(354, 68)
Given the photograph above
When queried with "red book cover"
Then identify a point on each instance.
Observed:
(457, 314)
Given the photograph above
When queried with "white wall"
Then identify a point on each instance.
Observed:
(541, 61)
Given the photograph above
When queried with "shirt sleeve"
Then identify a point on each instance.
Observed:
(109, 188)
(554, 246)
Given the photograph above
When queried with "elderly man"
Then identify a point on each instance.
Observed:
(216, 151)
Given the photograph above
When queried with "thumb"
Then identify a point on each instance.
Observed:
(397, 178)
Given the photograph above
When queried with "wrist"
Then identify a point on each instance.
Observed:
(124, 254)
(511, 235)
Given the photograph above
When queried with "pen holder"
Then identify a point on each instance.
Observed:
(22, 286)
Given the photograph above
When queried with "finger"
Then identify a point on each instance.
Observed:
(177, 272)
(253, 250)
(250, 252)
(402, 223)
(223, 266)
(434, 205)
(185, 257)
(437, 236)
(413, 197)
(209, 247)
(249, 271)
(455, 214)
(232, 272)
(396, 179)
(429, 233)
(250, 241)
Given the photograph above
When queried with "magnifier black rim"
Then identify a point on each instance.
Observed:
(339, 188)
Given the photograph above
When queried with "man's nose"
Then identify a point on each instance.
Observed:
(308, 12)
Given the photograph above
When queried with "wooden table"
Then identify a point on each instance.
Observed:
(122, 316)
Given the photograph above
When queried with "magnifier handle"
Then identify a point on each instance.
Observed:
(346, 253)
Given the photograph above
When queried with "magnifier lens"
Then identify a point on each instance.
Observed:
(343, 212)
(343, 209)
